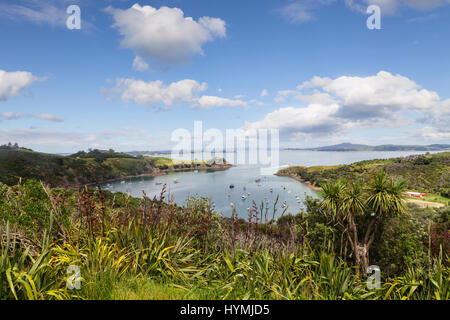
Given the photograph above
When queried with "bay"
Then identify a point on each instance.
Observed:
(216, 184)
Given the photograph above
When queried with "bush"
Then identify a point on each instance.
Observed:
(402, 243)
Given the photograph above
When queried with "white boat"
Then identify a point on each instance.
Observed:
(175, 181)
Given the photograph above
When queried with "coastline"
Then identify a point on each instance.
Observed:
(298, 178)
(157, 172)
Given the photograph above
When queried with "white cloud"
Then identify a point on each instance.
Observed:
(434, 134)
(372, 95)
(256, 102)
(155, 93)
(140, 64)
(349, 102)
(165, 34)
(391, 7)
(12, 83)
(313, 119)
(300, 11)
(425, 5)
(264, 93)
(207, 102)
(36, 11)
(49, 12)
(383, 89)
(18, 115)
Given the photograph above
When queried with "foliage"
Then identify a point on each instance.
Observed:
(19, 164)
(126, 247)
(423, 173)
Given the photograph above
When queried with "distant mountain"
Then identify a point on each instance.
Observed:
(387, 147)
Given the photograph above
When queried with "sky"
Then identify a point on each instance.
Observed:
(136, 71)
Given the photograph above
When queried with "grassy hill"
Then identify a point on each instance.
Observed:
(82, 167)
(425, 173)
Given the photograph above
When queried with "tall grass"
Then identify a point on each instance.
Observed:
(152, 249)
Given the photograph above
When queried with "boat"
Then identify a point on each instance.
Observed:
(175, 181)
(231, 186)
(243, 197)
(158, 183)
(195, 171)
(258, 180)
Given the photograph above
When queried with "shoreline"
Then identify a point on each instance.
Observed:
(156, 173)
(298, 178)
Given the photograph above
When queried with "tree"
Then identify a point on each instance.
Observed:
(358, 211)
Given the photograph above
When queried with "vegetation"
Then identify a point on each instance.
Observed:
(82, 167)
(129, 248)
(422, 173)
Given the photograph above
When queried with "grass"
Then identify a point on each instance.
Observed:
(127, 248)
(141, 288)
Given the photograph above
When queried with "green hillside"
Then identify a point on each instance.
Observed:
(425, 173)
(82, 167)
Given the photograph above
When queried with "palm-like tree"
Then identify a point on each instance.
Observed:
(381, 199)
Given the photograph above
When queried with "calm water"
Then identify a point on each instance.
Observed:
(215, 184)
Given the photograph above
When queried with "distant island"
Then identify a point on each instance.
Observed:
(386, 147)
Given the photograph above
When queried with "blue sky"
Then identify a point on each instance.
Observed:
(136, 71)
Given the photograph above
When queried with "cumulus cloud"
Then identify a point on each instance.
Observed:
(313, 119)
(156, 93)
(18, 115)
(264, 93)
(12, 83)
(348, 102)
(165, 35)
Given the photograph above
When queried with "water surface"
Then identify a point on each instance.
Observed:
(216, 184)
